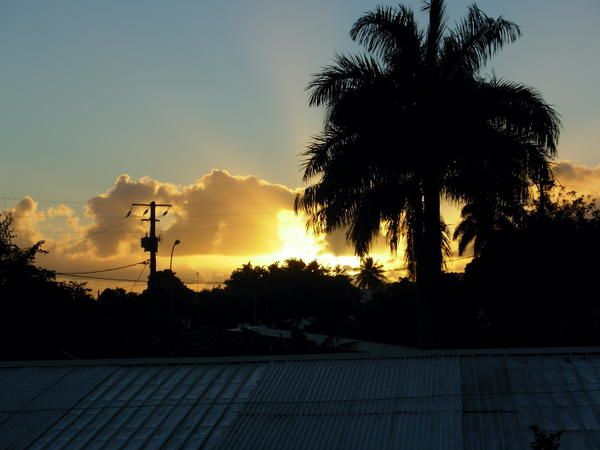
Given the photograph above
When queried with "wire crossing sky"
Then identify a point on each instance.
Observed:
(174, 89)
(202, 104)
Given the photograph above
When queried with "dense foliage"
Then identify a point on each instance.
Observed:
(531, 284)
(38, 315)
(536, 280)
(282, 295)
(412, 121)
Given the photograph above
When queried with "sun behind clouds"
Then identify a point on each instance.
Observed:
(296, 240)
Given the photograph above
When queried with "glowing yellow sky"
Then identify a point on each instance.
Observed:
(295, 242)
(169, 110)
(222, 221)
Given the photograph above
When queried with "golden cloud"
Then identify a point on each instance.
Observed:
(221, 217)
(26, 218)
(222, 220)
(579, 177)
(219, 214)
(229, 215)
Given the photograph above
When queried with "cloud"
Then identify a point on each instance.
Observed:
(26, 218)
(219, 218)
(222, 220)
(229, 215)
(112, 232)
(579, 177)
(219, 214)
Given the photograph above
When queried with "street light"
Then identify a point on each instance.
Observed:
(177, 242)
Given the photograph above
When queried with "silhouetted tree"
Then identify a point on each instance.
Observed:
(545, 441)
(371, 274)
(533, 282)
(40, 317)
(247, 277)
(280, 295)
(16, 263)
(129, 317)
(414, 121)
(481, 219)
(390, 316)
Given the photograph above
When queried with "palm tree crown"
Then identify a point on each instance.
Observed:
(371, 274)
(413, 121)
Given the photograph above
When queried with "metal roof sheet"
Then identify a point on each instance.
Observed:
(378, 403)
(32, 398)
(449, 400)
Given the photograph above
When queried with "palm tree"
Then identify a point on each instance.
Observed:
(371, 274)
(481, 220)
(413, 121)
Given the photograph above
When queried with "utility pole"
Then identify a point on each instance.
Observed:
(150, 243)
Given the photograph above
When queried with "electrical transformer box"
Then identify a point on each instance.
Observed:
(150, 244)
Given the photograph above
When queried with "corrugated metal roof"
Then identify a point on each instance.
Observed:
(32, 398)
(452, 400)
(159, 406)
(364, 403)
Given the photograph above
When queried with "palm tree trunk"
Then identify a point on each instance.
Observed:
(429, 263)
(420, 276)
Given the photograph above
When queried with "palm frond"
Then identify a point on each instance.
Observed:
(465, 232)
(323, 148)
(475, 39)
(446, 242)
(388, 32)
(345, 74)
(436, 28)
(416, 114)
(521, 110)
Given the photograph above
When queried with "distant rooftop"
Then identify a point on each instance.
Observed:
(335, 342)
(475, 399)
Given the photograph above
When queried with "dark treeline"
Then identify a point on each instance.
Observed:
(531, 284)
(39, 317)
(412, 119)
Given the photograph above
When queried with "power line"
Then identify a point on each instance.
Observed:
(108, 270)
(184, 203)
(400, 269)
(224, 227)
(65, 231)
(249, 213)
(91, 277)
(95, 234)
(18, 199)
(100, 233)
(43, 214)
(140, 275)
(235, 204)
(237, 213)
(176, 228)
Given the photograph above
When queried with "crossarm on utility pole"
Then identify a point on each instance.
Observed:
(150, 243)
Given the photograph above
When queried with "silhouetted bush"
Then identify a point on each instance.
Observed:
(40, 317)
(534, 284)
(279, 295)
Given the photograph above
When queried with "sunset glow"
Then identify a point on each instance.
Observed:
(296, 240)
(180, 125)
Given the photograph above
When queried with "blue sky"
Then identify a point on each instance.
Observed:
(172, 89)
